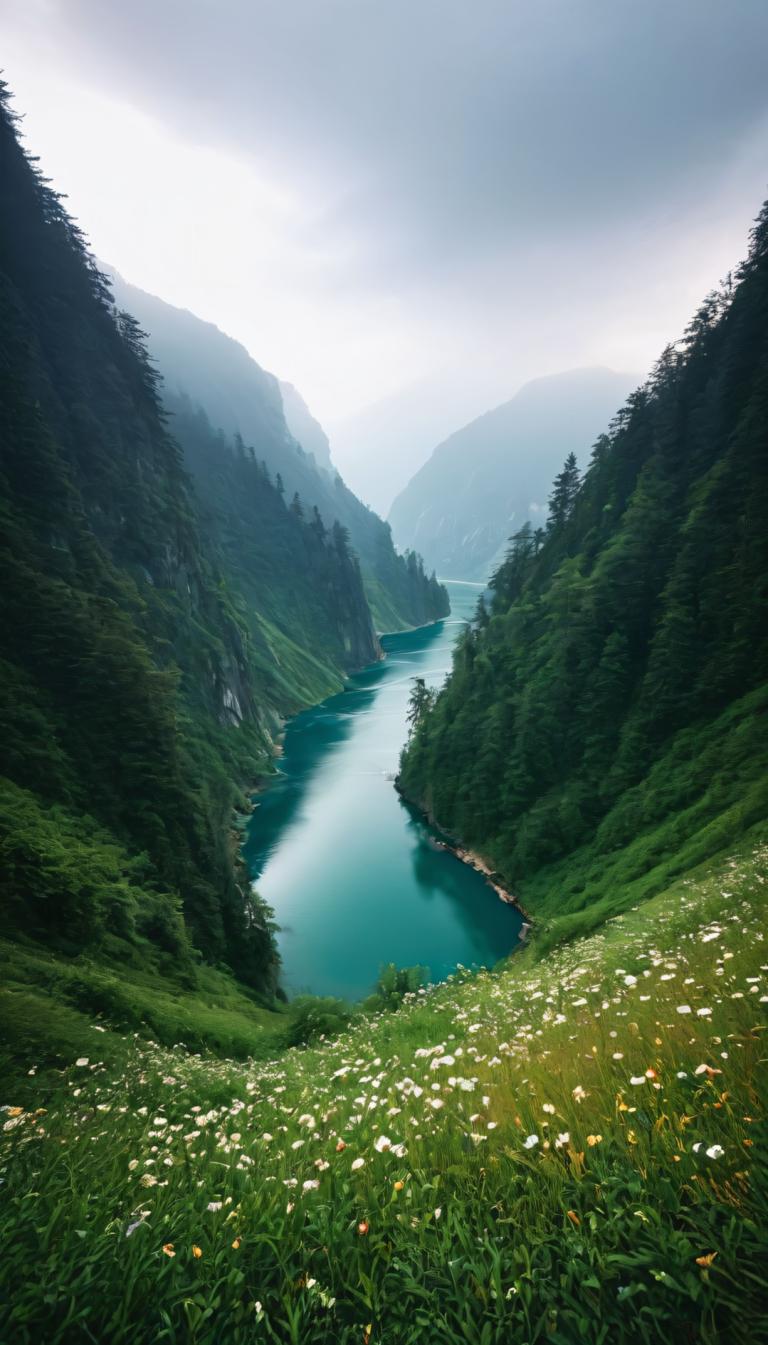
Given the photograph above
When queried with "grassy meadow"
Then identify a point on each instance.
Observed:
(565, 1149)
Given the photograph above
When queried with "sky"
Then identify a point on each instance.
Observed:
(407, 208)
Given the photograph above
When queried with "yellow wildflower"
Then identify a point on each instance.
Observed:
(706, 1260)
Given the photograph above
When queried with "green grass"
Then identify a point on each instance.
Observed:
(166, 1197)
(709, 787)
(52, 1006)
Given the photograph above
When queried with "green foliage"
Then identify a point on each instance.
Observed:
(299, 586)
(606, 722)
(316, 1016)
(559, 1151)
(393, 985)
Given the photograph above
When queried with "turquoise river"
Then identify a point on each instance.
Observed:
(354, 878)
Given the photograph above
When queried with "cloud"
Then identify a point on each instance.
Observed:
(429, 184)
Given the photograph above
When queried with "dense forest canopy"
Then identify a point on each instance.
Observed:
(606, 717)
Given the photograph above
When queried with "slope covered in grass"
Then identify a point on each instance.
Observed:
(564, 1150)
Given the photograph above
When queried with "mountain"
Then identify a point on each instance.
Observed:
(305, 429)
(483, 482)
(604, 727)
(380, 447)
(162, 606)
(216, 373)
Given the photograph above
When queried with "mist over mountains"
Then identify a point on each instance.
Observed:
(485, 481)
(200, 363)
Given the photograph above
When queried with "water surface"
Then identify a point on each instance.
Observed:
(354, 878)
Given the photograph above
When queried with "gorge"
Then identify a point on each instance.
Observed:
(355, 878)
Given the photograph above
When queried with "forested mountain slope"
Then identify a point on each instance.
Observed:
(485, 481)
(215, 372)
(151, 636)
(605, 726)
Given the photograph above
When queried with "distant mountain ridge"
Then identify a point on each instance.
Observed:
(485, 481)
(305, 429)
(216, 373)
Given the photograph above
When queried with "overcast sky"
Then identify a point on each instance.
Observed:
(398, 199)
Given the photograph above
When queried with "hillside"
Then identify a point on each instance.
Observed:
(604, 728)
(485, 481)
(564, 1150)
(240, 398)
(152, 636)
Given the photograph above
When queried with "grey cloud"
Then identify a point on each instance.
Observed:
(437, 129)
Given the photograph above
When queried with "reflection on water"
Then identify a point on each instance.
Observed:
(353, 875)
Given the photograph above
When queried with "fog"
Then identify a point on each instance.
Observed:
(410, 209)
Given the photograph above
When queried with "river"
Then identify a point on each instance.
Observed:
(354, 878)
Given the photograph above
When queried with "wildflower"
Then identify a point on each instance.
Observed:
(311, 1185)
(531, 1142)
(340, 1147)
(636, 1079)
(236, 1245)
(574, 1218)
(357, 1163)
(168, 1249)
(548, 1108)
(196, 1251)
(683, 1008)
(578, 1093)
(214, 1206)
(704, 1013)
(706, 1260)
(715, 1151)
(381, 1143)
(398, 1185)
(308, 1121)
(592, 1140)
(562, 1139)
(81, 1062)
(363, 1227)
(438, 1211)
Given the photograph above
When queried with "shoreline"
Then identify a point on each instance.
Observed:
(471, 858)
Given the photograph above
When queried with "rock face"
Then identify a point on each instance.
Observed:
(485, 481)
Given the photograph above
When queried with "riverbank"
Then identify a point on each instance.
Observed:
(353, 880)
(471, 858)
